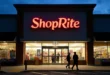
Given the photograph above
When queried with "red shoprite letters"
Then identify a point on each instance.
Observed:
(65, 23)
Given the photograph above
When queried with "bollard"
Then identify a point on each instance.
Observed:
(25, 65)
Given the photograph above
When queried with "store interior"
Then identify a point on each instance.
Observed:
(7, 50)
(47, 50)
(102, 50)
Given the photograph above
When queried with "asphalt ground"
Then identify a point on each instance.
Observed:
(58, 73)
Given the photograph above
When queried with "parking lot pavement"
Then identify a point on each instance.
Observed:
(58, 73)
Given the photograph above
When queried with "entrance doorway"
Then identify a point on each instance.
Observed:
(54, 55)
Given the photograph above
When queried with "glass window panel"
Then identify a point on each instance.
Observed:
(7, 50)
(58, 60)
(58, 52)
(50, 59)
(80, 52)
(45, 52)
(100, 50)
(45, 59)
(109, 49)
(33, 53)
(64, 60)
(51, 52)
(64, 52)
(58, 55)
(77, 44)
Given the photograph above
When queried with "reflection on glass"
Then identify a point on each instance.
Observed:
(50, 59)
(58, 52)
(30, 53)
(64, 52)
(58, 55)
(45, 52)
(51, 52)
(80, 51)
(33, 53)
(58, 60)
(54, 55)
(45, 59)
(108, 50)
(64, 60)
(100, 51)
(7, 50)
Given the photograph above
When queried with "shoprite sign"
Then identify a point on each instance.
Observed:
(66, 23)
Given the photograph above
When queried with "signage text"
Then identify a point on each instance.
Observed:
(66, 23)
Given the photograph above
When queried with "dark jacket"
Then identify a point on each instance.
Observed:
(68, 57)
(75, 58)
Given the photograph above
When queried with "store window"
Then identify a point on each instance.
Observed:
(7, 50)
(100, 50)
(33, 51)
(79, 48)
(109, 50)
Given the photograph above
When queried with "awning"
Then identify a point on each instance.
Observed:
(102, 36)
(7, 36)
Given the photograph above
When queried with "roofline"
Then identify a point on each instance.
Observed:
(8, 15)
(95, 15)
(52, 6)
(101, 15)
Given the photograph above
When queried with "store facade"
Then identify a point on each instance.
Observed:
(17, 48)
(44, 31)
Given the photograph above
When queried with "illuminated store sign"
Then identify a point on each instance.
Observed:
(66, 23)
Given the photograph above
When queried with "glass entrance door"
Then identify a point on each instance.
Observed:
(58, 55)
(45, 55)
(64, 55)
(53, 55)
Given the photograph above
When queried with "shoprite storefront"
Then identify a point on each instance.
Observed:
(52, 30)
(44, 31)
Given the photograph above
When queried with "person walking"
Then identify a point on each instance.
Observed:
(75, 61)
(68, 60)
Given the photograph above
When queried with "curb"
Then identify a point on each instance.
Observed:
(65, 71)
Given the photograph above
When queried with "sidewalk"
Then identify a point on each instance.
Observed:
(52, 67)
